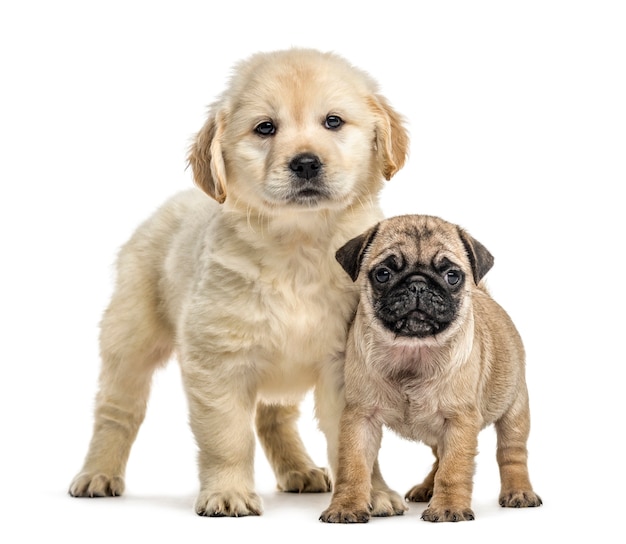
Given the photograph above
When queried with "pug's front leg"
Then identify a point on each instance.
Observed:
(222, 401)
(359, 442)
(385, 501)
(452, 493)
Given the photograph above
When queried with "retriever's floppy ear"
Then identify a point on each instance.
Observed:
(480, 258)
(350, 255)
(392, 138)
(206, 160)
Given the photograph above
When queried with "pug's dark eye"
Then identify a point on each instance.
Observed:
(266, 128)
(333, 122)
(453, 277)
(382, 274)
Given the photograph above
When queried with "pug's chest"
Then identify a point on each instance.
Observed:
(415, 412)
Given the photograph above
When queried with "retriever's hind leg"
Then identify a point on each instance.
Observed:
(133, 342)
(278, 434)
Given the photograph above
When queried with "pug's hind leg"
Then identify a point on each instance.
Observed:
(423, 492)
(512, 431)
(278, 434)
(452, 492)
(385, 501)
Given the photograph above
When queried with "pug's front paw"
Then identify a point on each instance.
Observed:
(346, 512)
(448, 514)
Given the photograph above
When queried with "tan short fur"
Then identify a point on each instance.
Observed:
(442, 388)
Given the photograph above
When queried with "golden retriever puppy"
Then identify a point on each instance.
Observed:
(239, 279)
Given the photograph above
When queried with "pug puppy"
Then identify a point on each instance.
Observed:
(431, 355)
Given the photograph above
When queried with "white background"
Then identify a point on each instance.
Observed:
(518, 122)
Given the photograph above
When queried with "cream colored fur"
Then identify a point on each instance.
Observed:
(241, 283)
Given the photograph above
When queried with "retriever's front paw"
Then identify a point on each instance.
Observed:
(95, 484)
(228, 503)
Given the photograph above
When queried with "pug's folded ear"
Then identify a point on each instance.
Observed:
(479, 256)
(350, 255)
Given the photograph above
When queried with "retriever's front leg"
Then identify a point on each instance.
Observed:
(222, 396)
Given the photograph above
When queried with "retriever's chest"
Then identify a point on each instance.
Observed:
(286, 307)
(303, 314)
(307, 301)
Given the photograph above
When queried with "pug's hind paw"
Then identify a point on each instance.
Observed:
(387, 503)
(419, 493)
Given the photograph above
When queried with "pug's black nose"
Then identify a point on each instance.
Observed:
(305, 165)
(417, 284)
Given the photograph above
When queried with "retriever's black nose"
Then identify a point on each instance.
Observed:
(305, 165)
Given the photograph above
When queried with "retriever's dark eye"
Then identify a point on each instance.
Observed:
(266, 128)
(333, 122)
(382, 274)
(453, 277)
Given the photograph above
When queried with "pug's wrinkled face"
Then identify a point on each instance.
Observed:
(416, 274)
(416, 295)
